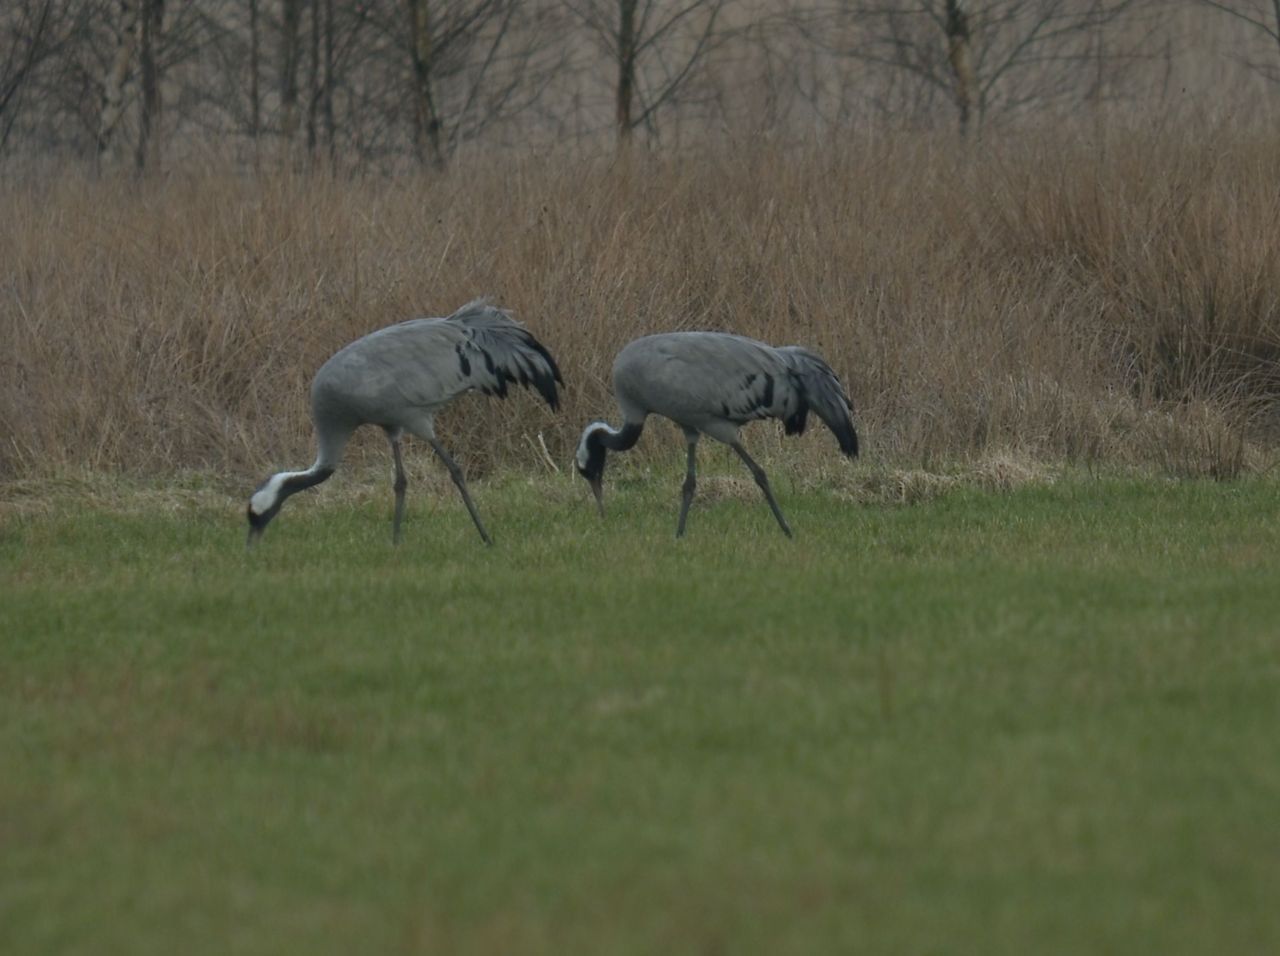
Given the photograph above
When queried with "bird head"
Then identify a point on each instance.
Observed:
(590, 459)
(264, 505)
(271, 495)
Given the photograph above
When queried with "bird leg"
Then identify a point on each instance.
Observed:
(456, 474)
(690, 483)
(763, 481)
(401, 483)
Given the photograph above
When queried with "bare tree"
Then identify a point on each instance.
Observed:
(210, 60)
(960, 56)
(985, 56)
(150, 19)
(313, 76)
(28, 35)
(255, 58)
(113, 86)
(319, 74)
(470, 63)
(290, 28)
(142, 51)
(426, 120)
(318, 44)
(91, 76)
(326, 93)
(655, 46)
(1263, 17)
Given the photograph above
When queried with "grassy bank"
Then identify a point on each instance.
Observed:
(1041, 721)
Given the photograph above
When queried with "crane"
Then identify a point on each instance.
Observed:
(398, 378)
(713, 383)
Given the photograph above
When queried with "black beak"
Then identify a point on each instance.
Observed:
(597, 489)
(254, 534)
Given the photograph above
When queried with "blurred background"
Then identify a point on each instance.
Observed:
(385, 82)
(1043, 230)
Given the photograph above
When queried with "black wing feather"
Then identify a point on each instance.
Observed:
(509, 352)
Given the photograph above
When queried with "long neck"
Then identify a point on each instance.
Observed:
(283, 484)
(620, 440)
(294, 481)
(332, 439)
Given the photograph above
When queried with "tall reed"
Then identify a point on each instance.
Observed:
(1111, 298)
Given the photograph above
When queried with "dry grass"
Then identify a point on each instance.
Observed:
(1110, 299)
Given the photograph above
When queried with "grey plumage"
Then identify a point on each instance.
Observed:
(398, 378)
(713, 383)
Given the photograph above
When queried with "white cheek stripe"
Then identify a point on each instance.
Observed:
(582, 443)
(265, 497)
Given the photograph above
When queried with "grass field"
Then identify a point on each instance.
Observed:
(1041, 721)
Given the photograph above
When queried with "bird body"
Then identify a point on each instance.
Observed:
(716, 382)
(395, 375)
(713, 383)
(399, 378)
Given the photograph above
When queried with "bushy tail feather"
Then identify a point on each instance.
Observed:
(509, 351)
(821, 391)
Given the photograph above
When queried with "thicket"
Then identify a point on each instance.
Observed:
(1100, 298)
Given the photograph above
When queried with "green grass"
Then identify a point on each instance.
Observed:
(1047, 721)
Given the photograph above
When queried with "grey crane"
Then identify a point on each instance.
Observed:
(713, 383)
(398, 378)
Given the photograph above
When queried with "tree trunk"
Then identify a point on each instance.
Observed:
(426, 131)
(961, 57)
(255, 57)
(327, 96)
(117, 76)
(290, 23)
(313, 80)
(626, 68)
(149, 21)
(16, 72)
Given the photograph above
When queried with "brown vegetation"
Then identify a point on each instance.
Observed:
(1091, 299)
